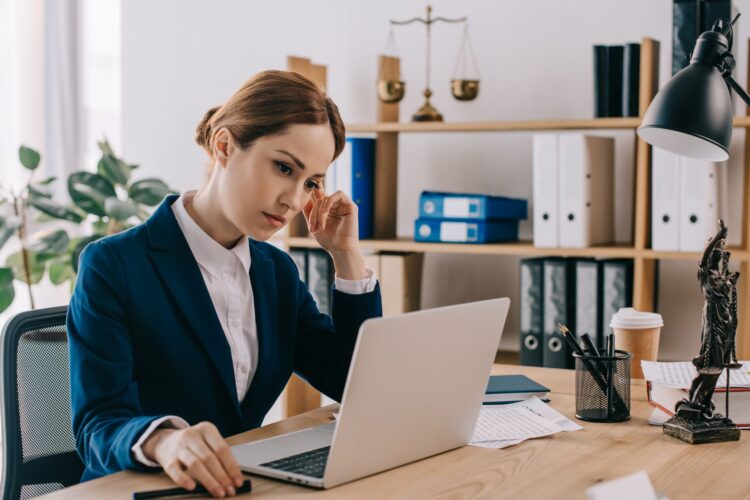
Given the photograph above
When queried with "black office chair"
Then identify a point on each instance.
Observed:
(39, 450)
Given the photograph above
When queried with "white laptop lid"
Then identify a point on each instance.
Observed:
(415, 387)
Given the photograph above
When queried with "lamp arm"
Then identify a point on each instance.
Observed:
(736, 87)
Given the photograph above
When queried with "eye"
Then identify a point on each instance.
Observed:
(283, 167)
(310, 185)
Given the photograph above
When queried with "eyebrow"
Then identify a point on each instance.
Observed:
(297, 161)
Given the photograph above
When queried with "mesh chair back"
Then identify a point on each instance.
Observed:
(39, 452)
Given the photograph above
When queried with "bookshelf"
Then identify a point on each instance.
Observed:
(387, 130)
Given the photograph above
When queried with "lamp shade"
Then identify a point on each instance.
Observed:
(691, 115)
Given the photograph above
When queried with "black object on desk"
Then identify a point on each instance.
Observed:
(175, 492)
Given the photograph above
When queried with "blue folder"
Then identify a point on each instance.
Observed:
(465, 231)
(436, 205)
(503, 389)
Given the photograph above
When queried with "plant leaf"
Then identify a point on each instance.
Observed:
(89, 191)
(76, 254)
(120, 210)
(8, 228)
(114, 169)
(29, 157)
(51, 244)
(150, 192)
(54, 210)
(7, 291)
(59, 272)
(36, 268)
(48, 180)
(105, 148)
(39, 190)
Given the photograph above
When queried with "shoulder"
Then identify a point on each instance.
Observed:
(121, 246)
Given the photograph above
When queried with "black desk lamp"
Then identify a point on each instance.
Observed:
(692, 114)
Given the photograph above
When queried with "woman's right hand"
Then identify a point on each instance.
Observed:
(197, 453)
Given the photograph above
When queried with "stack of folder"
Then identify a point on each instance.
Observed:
(468, 218)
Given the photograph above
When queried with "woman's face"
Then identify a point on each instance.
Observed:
(263, 187)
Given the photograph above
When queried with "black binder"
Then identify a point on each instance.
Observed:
(588, 300)
(558, 308)
(531, 298)
(601, 82)
(616, 288)
(690, 18)
(615, 55)
(631, 72)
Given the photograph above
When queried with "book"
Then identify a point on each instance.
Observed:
(665, 397)
(439, 205)
(631, 78)
(668, 383)
(601, 82)
(513, 388)
(615, 54)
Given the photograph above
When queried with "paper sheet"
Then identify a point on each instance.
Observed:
(630, 487)
(681, 374)
(500, 426)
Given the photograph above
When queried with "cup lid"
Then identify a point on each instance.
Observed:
(627, 317)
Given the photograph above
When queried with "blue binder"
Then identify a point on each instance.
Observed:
(354, 173)
(465, 231)
(436, 205)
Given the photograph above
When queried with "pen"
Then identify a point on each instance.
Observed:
(590, 344)
(173, 492)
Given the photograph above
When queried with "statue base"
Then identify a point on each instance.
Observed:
(690, 426)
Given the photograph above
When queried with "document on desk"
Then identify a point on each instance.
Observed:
(500, 426)
(681, 374)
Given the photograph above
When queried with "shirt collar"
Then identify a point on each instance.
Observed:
(209, 253)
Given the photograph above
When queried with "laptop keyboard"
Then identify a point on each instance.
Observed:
(310, 463)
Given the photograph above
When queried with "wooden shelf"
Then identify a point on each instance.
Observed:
(517, 249)
(511, 126)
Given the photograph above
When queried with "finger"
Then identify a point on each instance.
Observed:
(224, 452)
(314, 215)
(308, 208)
(180, 478)
(199, 472)
(213, 464)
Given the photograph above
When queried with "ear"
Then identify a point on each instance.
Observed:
(224, 146)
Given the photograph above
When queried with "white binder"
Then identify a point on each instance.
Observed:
(665, 200)
(699, 203)
(586, 190)
(545, 208)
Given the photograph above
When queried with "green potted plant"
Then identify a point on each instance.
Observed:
(101, 203)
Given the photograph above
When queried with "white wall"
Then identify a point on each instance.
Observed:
(535, 57)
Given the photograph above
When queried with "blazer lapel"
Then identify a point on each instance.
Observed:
(175, 264)
(266, 312)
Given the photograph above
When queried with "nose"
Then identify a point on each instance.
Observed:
(293, 198)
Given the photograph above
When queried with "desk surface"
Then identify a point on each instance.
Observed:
(559, 466)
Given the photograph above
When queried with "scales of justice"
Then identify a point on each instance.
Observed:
(391, 89)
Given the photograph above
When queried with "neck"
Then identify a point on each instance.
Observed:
(205, 210)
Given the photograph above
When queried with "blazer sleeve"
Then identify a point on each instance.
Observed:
(107, 417)
(325, 344)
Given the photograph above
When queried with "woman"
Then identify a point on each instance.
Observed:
(184, 330)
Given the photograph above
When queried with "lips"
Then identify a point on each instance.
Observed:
(275, 220)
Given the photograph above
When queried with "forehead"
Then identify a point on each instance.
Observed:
(313, 145)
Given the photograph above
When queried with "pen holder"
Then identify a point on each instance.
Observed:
(603, 387)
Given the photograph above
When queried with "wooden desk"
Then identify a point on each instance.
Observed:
(560, 466)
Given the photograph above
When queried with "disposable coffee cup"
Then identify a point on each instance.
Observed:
(638, 333)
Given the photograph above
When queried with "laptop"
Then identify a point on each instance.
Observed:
(414, 389)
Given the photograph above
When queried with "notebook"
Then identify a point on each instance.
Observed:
(503, 389)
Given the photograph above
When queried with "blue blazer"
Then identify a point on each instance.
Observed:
(145, 340)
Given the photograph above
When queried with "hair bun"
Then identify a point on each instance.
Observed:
(203, 130)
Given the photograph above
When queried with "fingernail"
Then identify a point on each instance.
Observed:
(239, 481)
(230, 491)
(219, 493)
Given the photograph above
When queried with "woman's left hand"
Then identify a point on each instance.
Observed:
(332, 221)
